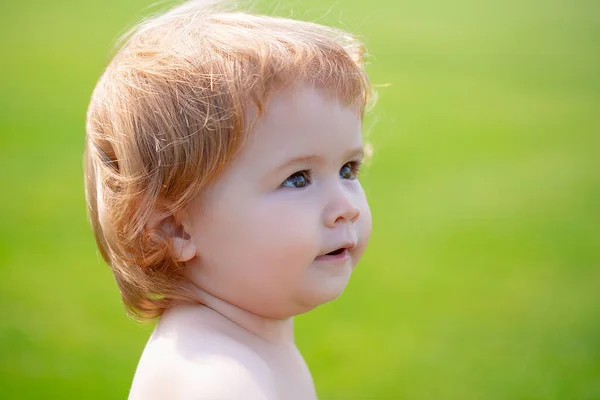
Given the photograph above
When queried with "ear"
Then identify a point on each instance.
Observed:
(176, 226)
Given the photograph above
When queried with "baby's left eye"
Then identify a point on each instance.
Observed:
(350, 170)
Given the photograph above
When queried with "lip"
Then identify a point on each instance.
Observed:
(337, 258)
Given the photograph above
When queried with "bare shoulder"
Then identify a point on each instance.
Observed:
(200, 362)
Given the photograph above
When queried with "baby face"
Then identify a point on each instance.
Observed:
(284, 225)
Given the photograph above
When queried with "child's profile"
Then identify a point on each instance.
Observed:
(221, 167)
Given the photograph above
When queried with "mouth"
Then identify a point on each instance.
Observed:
(339, 254)
(336, 252)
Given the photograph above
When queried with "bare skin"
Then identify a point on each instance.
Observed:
(196, 353)
(278, 234)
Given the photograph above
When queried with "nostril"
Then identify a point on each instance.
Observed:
(351, 215)
(341, 212)
(356, 214)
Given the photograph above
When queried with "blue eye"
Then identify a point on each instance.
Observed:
(298, 180)
(350, 170)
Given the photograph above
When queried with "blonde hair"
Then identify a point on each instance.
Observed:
(170, 111)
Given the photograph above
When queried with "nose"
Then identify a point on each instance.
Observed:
(341, 208)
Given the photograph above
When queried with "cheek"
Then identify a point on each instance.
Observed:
(364, 226)
(284, 231)
(366, 221)
(262, 235)
(255, 255)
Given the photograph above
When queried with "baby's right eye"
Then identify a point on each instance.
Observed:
(298, 180)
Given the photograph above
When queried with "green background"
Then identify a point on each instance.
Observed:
(482, 279)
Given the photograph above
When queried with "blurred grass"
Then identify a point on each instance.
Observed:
(482, 277)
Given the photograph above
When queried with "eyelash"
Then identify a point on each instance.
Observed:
(307, 174)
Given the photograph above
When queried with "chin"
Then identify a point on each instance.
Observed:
(326, 290)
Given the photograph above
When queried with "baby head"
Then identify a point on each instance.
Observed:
(221, 158)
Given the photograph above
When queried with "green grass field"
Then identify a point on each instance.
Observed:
(482, 279)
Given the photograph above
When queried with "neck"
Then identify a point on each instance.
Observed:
(271, 330)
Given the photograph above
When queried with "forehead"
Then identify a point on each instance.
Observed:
(305, 120)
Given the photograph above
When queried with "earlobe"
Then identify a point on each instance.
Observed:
(183, 243)
(184, 249)
(174, 226)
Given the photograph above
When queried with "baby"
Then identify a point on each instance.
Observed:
(221, 168)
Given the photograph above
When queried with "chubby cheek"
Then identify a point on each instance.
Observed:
(254, 253)
(284, 237)
(364, 228)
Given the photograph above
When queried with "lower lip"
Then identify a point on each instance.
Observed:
(337, 258)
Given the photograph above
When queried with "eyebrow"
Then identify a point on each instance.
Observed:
(313, 158)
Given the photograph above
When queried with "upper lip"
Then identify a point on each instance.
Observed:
(348, 245)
